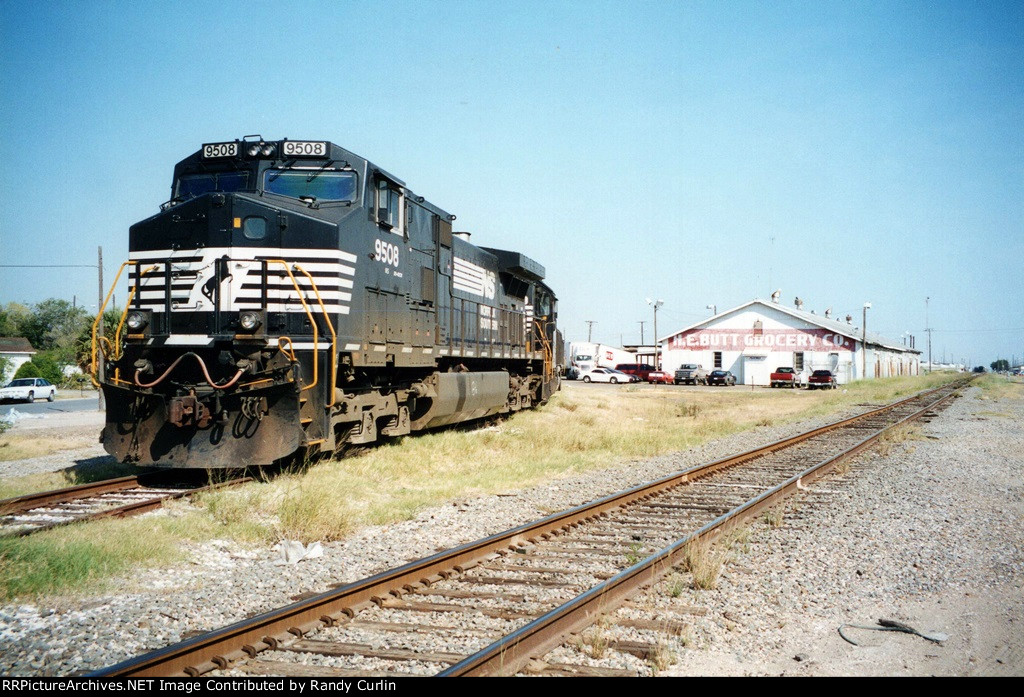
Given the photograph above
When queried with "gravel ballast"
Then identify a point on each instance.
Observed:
(933, 526)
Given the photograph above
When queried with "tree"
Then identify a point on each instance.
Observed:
(13, 317)
(27, 369)
(83, 341)
(55, 324)
(42, 365)
(52, 325)
(1001, 364)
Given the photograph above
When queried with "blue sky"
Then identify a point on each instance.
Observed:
(700, 153)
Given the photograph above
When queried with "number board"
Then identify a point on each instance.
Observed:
(214, 150)
(305, 148)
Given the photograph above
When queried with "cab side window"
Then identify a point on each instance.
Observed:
(388, 206)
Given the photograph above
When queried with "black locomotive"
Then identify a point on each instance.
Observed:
(292, 296)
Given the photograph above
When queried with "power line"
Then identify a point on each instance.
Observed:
(47, 266)
(953, 331)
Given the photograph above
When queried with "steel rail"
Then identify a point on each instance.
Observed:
(29, 502)
(510, 653)
(245, 639)
(20, 504)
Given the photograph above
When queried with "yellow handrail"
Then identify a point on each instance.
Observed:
(545, 347)
(99, 318)
(312, 322)
(110, 348)
(128, 306)
(334, 336)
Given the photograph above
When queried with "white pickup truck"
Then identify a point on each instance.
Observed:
(28, 390)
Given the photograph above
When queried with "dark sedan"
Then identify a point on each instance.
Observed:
(721, 377)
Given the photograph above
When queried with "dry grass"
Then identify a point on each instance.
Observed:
(704, 563)
(23, 446)
(85, 558)
(72, 476)
(661, 657)
(703, 559)
(675, 584)
(899, 436)
(585, 427)
(995, 387)
(595, 639)
(773, 518)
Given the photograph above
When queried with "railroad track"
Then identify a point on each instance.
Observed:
(124, 496)
(487, 607)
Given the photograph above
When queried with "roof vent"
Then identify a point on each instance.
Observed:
(462, 235)
(798, 302)
(849, 319)
(776, 295)
(828, 312)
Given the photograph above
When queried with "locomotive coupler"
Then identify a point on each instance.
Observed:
(188, 411)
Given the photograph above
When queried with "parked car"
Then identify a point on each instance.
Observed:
(605, 375)
(721, 377)
(29, 390)
(641, 370)
(661, 376)
(785, 377)
(823, 379)
(691, 373)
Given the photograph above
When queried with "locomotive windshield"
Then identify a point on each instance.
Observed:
(192, 185)
(324, 186)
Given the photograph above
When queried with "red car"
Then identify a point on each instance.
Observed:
(660, 376)
(822, 379)
(640, 370)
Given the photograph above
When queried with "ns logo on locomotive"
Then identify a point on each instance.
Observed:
(292, 296)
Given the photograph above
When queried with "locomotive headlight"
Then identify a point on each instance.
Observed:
(249, 321)
(254, 150)
(267, 150)
(137, 321)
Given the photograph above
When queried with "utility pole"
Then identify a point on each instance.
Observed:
(642, 323)
(101, 370)
(656, 304)
(927, 328)
(590, 327)
(864, 343)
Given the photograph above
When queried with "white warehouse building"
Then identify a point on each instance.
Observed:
(754, 339)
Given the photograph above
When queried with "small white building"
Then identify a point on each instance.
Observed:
(17, 350)
(754, 339)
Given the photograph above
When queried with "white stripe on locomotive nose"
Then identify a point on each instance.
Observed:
(282, 295)
(297, 255)
(188, 340)
(245, 283)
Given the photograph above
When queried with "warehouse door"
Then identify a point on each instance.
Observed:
(756, 370)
